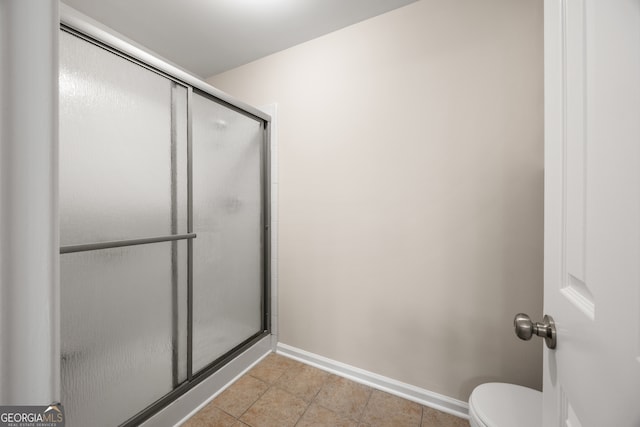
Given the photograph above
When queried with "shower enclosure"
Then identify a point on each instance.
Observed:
(163, 229)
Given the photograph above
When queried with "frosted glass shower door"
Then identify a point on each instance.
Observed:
(123, 176)
(148, 160)
(227, 205)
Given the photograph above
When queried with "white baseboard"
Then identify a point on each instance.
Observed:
(406, 391)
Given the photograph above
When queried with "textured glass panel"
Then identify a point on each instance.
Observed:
(123, 174)
(179, 156)
(116, 327)
(115, 151)
(227, 279)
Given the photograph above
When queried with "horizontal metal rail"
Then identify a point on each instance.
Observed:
(72, 19)
(120, 243)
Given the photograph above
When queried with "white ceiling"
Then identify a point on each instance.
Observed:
(207, 37)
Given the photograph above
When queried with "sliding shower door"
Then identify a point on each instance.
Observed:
(120, 167)
(146, 164)
(228, 199)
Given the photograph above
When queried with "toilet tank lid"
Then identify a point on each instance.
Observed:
(504, 405)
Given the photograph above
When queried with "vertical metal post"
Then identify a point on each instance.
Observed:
(29, 232)
(174, 245)
(189, 230)
(266, 215)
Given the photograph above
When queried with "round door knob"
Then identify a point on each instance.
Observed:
(524, 326)
(525, 329)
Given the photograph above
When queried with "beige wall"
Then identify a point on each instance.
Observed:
(411, 191)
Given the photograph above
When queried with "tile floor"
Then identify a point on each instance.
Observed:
(281, 392)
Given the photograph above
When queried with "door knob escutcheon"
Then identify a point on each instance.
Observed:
(525, 329)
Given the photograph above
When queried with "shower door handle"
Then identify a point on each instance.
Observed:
(129, 242)
(525, 329)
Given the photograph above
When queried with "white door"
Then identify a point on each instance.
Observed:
(592, 212)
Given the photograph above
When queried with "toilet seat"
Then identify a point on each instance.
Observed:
(505, 405)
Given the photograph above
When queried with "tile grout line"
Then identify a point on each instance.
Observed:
(286, 391)
(360, 421)
(303, 414)
(312, 400)
(254, 402)
(271, 385)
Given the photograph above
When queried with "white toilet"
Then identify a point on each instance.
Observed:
(505, 405)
